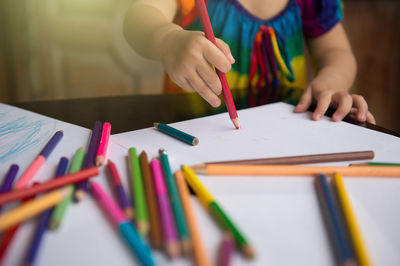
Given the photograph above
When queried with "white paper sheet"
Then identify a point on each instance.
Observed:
(279, 215)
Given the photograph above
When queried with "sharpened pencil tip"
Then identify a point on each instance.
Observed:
(156, 125)
(235, 122)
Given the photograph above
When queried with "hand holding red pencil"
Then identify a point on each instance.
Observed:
(188, 58)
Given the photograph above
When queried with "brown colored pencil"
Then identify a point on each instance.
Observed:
(306, 159)
(200, 256)
(49, 185)
(296, 170)
(156, 235)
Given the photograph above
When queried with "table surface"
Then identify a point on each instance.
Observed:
(132, 112)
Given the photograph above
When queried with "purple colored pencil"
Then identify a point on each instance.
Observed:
(167, 220)
(24, 179)
(89, 161)
(226, 250)
(44, 219)
(8, 180)
(122, 198)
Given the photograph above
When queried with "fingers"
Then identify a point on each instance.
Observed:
(304, 102)
(345, 103)
(225, 49)
(371, 118)
(217, 58)
(362, 107)
(323, 101)
(197, 84)
(210, 78)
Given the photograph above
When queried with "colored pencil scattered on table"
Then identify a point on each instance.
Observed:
(302, 159)
(23, 181)
(89, 161)
(49, 185)
(139, 197)
(156, 235)
(44, 219)
(119, 190)
(8, 180)
(296, 170)
(103, 145)
(226, 92)
(351, 221)
(199, 252)
(176, 133)
(167, 220)
(175, 203)
(226, 250)
(216, 211)
(340, 240)
(123, 224)
(61, 208)
(32, 207)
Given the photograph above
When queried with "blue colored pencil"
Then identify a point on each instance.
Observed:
(44, 219)
(89, 161)
(8, 180)
(340, 239)
(23, 181)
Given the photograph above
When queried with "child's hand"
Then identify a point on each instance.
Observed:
(188, 58)
(322, 91)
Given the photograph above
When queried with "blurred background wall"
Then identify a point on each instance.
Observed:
(56, 49)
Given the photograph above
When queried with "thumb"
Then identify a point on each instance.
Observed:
(304, 102)
(225, 49)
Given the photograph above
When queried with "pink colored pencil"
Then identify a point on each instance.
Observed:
(23, 181)
(226, 250)
(115, 213)
(167, 220)
(103, 145)
(205, 21)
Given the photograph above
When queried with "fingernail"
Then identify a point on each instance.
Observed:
(317, 117)
(363, 117)
(231, 58)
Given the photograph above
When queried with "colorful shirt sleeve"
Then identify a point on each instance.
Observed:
(319, 16)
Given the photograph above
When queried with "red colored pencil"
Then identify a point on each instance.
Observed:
(49, 185)
(226, 92)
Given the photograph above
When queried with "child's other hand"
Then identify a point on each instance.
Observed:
(188, 58)
(320, 91)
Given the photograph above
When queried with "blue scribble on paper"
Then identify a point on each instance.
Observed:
(20, 133)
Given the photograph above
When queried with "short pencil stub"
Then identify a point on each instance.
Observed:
(195, 141)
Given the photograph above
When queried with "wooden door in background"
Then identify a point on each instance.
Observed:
(74, 49)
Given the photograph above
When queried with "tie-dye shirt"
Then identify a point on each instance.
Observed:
(270, 63)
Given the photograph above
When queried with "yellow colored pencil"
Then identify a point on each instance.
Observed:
(199, 252)
(32, 207)
(351, 222)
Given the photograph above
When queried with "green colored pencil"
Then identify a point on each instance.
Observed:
(175, 203)
(216, 211)
(138, 197)
(377, 164)
(61, 208)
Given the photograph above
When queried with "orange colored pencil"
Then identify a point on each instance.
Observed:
(156, 235)
(200, 256)
(296, 170)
